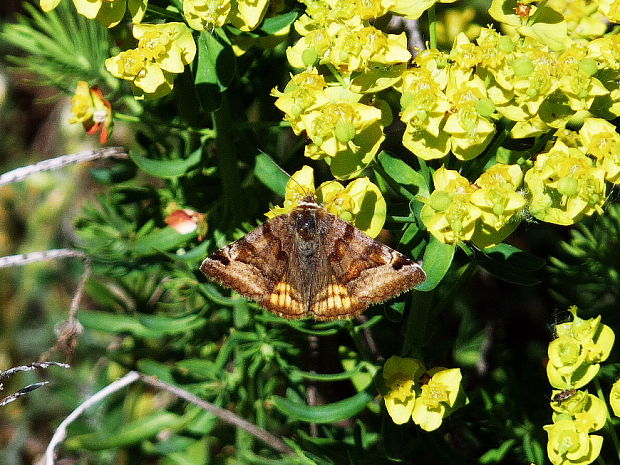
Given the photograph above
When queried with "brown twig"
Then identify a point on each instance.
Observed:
(71, 329)
(60, 162)
(29, 388)
(225, 415)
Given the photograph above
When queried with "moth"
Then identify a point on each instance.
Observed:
(310, 263)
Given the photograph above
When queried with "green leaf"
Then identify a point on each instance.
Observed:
(336, 411)
(167, 168)
(160, 240)
(270, 174)
(329, 377)
(144, 326)
(216, 67)
(510, 264)
(277, 23)
(498, 454)
(132, 433)
(437, 260)
(199, 368)
(516, 257)
(403, 174)
(158, 369)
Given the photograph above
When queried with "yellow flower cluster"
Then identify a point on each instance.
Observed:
(451, 100)
(208, 14)
(339, 113)
(564, 184)
(426, 397)
(574, 360)
(360, 202)
(485, 212)
(163, 50)
(107, 12)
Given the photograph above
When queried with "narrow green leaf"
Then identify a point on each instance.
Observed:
(277, 23)
(329, 377)
(171, 325)
(145, 326)
(167, 168)
(270, 174)
(498, 454)
(329, 413)
(132, 433)
(437, 259)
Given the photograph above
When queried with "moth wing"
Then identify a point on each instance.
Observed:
(371, 271)
(256, 266)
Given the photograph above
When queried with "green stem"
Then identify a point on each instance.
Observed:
(337, 75)
(432, 27)
(227, 162)
(360, 345)
(417, 323)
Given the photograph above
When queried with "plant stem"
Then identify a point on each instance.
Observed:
(227, 162)
(432, 27)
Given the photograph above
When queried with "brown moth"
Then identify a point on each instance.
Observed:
(310, 263)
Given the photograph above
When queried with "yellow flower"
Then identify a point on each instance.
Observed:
(577, 81)
(302, 94)
(576, 353)
(206, 14)
(568, 445)
(107, 12)
(360, 202)
(424, 106)
(163, 49)
(448, 213)
(414, 9)
(611, 9)
(89, 107)
(499, 202)
(343, 132)
(586, 410)
(614, 398)
(602, 141)
(49, 5)
(400, 374)
(564, 185)
(583, 21)
(438, 398)
(469, 123)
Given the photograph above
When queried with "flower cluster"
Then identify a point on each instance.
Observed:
(576, 353)
(208, 14)
(163, 50)
(90, 107)
(360, 202)
(107, 12)
(426, 397)
(340, 114)
(485, 212)
(574, 360)
(541, 76)
(565, 183)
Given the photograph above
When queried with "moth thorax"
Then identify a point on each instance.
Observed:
(306, 225)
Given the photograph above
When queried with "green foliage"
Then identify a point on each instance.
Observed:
(60, 46)
(212, 147)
